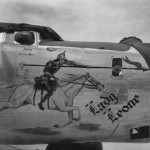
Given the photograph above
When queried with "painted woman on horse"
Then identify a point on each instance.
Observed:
(49, 80)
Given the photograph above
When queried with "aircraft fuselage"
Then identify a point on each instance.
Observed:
(117, 113)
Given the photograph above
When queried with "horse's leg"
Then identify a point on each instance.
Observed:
(34, 97)
(70, 116)
(63, 108)
(2, 106)
(48, 103)
(68, 109)
(8, 105)
(70, 113)
(42, 94)
(71, 93)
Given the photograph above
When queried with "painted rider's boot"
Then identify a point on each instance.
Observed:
(44, 99)
(40, 106)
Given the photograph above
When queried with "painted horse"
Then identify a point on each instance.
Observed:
(61, 99)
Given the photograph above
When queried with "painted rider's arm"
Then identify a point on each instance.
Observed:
(49, 75)
(76, 64)
(52, 76)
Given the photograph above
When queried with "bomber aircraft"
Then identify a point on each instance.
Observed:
(97, 92)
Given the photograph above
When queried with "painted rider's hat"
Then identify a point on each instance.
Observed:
(61, 54)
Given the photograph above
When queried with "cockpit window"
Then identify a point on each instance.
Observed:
(9, 37)
(24, 37)
(42, 38)
(1, 37)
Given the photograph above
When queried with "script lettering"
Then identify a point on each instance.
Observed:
(104, 108)
(132, 103)
(111, 116)
(92, 108)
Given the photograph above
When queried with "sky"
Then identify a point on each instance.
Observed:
(85, 20)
